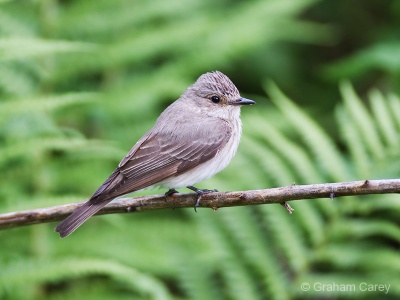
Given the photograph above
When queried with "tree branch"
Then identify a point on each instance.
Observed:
(212, 200)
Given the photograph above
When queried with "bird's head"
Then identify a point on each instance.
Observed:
(215, 94)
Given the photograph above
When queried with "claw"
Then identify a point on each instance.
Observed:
(200, 193)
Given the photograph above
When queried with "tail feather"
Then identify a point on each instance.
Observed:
(104, 194)
(79, 216)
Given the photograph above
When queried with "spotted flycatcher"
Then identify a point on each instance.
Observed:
(193, 139)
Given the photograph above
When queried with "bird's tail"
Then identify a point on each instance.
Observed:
(79, 216)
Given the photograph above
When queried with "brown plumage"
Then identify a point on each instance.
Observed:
(194, 138)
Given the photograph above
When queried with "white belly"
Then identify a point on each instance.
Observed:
(208, 168)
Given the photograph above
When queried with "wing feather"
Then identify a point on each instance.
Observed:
(158, 155)
(162, 155)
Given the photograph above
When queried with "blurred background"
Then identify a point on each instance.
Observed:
(81, 81)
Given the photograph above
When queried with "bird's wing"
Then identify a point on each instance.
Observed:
(161, 155)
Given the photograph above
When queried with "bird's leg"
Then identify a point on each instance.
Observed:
(199, 194)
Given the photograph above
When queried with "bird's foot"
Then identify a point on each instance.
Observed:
(200, 193)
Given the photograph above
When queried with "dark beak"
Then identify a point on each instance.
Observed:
(242, 101)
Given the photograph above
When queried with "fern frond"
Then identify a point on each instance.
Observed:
(16, 80)
(17, 48)
(372, 258)
(250, 242)
(269, 163)
(44, 104)
(319, 143)
(361, 229)
(292, 153)
(39, 147)
(362, 120)
(382, 115)
(359, 155)
(389, 207)
(394, 104)
(59, 269)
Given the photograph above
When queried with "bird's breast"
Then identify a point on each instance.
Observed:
(211, 167)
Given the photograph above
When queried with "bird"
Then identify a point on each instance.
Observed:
(193, 139)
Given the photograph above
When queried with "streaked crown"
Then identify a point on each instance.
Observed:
(215, 83)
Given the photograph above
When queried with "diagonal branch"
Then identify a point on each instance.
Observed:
(212, 200)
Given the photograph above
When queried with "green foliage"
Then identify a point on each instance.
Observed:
(75, 75)
(247, 252)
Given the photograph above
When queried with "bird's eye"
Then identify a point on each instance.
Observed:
(215, 99)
